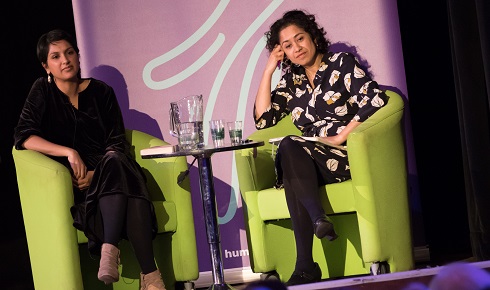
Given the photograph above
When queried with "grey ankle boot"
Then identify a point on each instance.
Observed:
(152, 281)
(109, 262)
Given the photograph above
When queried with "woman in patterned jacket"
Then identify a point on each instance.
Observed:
(327, 95)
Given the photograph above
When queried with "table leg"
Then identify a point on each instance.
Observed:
(211, 220)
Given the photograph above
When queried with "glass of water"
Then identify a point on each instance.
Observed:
(235, 130)
(217, 128)
(188, 135)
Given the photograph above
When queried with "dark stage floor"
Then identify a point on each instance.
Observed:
(15, 275)
(393, 281)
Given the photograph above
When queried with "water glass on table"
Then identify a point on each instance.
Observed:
(217, 128)
(188, 135)
(235, 130)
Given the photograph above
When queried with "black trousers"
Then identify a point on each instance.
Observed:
(302, 176)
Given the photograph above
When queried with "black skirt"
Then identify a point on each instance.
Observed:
(115, 173)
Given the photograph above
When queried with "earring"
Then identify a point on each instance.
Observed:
(49, 78)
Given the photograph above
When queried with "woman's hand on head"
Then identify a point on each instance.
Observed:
(77, 165)
(276, 56)
(263, 97)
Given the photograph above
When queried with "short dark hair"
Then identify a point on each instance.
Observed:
(49, 37)
(303, 20)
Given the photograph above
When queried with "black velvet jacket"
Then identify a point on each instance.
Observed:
(93, 129)
(96, 130)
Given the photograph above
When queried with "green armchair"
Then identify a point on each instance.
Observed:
(58, 252)
(370, 211)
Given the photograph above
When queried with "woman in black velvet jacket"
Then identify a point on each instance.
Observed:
(78, 122)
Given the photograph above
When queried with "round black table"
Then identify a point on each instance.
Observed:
(203, 156)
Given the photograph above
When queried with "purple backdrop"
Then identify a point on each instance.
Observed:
(154, 52)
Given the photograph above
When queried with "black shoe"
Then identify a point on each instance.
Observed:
(324, 228)
(299, 278)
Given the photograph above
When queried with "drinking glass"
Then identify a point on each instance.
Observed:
(217, 128)
(235, 130)
(188, 135)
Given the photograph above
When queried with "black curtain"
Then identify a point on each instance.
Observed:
(20, 68)
(469, 30)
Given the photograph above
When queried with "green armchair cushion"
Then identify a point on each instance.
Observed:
(272, 202)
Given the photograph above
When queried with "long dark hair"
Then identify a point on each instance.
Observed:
(303, 20)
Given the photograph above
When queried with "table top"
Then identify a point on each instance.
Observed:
(207, 150)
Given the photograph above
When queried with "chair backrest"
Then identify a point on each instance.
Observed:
(156, 182)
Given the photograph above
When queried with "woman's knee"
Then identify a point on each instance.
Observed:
(114, 155)
(114, 158)
(288, 145)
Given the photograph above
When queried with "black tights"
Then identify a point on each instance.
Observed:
(119, 211)
(301, 179)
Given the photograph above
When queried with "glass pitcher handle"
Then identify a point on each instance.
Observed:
(173, 129)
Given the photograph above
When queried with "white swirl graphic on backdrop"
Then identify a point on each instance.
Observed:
(227, 63)
(151, 65)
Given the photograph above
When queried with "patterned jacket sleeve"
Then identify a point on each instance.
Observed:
(365, 92)
(278, 109)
